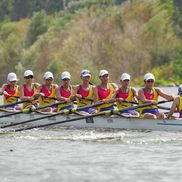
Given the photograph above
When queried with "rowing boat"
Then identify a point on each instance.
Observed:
(115, 122)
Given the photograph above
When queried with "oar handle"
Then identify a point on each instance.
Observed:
(15, 103)
(28, 110)
(130, 102)
(165, 101)
(89, 106)
(84, 98)
(51, 98)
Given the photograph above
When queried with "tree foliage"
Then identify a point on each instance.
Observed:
(121, 36)
(38, 26)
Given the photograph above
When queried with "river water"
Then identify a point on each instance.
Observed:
(91, 155)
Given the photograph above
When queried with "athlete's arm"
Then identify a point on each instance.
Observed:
(173, 107)
(164, 95)
(95, 94)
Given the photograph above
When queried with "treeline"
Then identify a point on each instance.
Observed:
(121, 36)
(18, 9)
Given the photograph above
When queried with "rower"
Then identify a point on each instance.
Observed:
(149, 94)
(106, 91)
(28, 90)
(86, 93)
(65, 92)
(47, 92)
(177, 103)
(10, 91)
(126, 94)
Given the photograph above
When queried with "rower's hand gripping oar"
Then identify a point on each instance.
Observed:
(108, 113)
(52, 115)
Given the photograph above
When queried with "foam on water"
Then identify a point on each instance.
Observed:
(144, 137)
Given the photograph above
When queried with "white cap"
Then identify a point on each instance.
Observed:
(149, 76)
(12, 77)
(125, 76)
(103, 72)
(47, 75)
(28, 73)
(85, 73)
(65, 75)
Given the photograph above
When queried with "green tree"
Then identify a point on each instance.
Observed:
(5, 9)
(38, 26)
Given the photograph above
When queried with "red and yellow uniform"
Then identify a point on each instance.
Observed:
(125, 96)
(49, 93)
(29, 93)
(149, 109)
(66, 94)
(14, 95)
(105, 94)
(87, 94)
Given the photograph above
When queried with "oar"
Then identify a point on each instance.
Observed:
(130, 102)
(52, 115)
(164, 108)
(110, 112)
(51, 98)
(28, 110)
(11, 104)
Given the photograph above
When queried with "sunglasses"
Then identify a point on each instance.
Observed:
(126, 80)
(29, 77)
(65, 79)
(150, 81)
(49, 79)
(12, 81)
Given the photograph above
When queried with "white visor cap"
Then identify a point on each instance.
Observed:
(125, 76)
(103, 72)
(85, 73)
(65, 75)
(47, 75)
(28, 73)
(149, 76)
(12, 77)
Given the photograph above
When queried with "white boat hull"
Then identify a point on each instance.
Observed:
(115, 122)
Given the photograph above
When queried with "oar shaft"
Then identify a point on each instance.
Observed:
(11, 114)
(50, 105)
(11, 104)
(59, 122)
